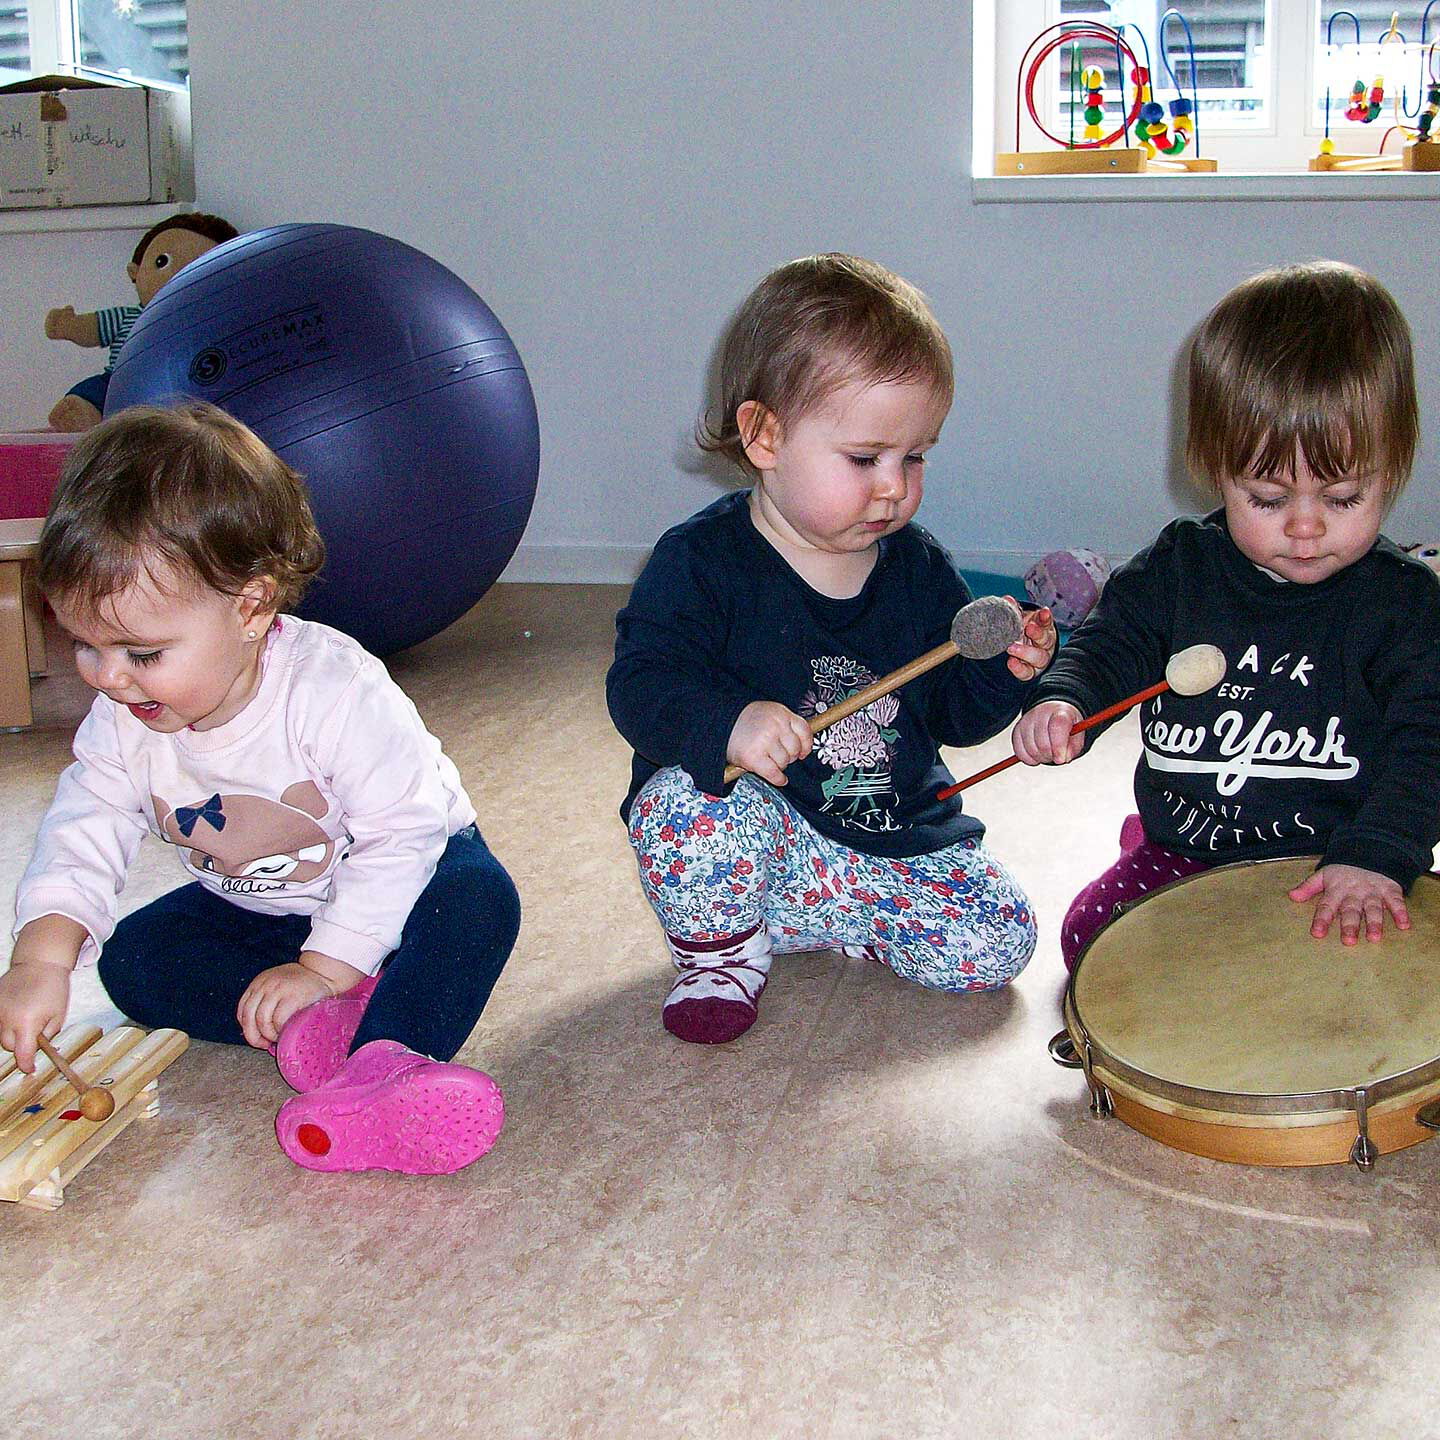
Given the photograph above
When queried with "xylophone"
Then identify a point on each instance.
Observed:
(45, 1140)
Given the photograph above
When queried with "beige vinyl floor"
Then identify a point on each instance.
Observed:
(882, 1212)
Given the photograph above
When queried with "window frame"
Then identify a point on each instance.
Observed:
(55, 49)
(52, 36)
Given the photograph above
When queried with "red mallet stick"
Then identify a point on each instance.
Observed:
(1190, 672)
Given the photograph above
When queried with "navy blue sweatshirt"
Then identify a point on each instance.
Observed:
(1324, 736)
(718, 619)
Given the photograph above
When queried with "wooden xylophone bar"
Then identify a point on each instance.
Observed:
(40, 1152)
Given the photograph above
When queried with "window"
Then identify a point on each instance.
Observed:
(1261, 71)
(133, 39)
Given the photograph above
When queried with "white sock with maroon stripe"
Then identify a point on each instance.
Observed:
(716, 995)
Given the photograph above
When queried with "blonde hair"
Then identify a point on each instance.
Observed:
(190, 488)
(1313, 360)
(812, 326)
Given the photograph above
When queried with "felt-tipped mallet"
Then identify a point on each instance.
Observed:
(1190, 672)
(981, 630)
(95, 1102)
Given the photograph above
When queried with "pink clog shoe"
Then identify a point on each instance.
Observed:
(316, 1040)
(388, 1108)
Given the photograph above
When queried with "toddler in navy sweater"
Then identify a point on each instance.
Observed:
(1325, 736)
(772, 605)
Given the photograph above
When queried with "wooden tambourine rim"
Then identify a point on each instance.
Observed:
(1411, 1088)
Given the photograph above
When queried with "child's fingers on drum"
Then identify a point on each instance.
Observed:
(1396, 906)
(1375, 920)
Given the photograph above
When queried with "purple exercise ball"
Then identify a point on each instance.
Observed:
(387, 383)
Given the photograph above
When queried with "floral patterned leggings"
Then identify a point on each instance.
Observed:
(715, 868)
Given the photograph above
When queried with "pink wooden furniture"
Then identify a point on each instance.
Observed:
(30, 464)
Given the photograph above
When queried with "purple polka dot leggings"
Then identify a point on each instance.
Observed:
(717, 867)
(1141, 868)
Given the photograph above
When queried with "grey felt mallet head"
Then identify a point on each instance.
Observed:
(986, 627)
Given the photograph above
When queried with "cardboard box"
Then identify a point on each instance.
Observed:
(65, 140)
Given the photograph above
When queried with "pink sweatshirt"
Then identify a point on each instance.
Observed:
(326, 796)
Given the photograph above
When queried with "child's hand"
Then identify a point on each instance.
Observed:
(33, 1001)
(35, 991)
(1042, 736)
(766, 738)
(274, 996)
(1355, 895)
(1034, 651)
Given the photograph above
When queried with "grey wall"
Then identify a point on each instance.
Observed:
(85, 269)
(613, 179)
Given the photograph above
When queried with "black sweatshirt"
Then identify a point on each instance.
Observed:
(717, 619)
(1324, 736)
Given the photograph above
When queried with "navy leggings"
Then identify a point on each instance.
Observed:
(187, 958)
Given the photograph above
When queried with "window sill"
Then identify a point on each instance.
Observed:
(1303, 185)
(88, 217)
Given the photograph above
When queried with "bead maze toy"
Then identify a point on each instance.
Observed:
(1365, 105)
(45, 1137)
(1154, 145)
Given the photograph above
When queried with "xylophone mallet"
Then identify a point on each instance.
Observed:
(1189, 672)
(95, 1103)
(980, 630)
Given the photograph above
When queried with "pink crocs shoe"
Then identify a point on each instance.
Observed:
(388, 1108)
(315, 1041)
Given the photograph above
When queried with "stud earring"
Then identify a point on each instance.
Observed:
(249, 634)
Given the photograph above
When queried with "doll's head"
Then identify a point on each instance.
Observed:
(1304, 367)
(170, 245)
(188, 491)
(810, 328)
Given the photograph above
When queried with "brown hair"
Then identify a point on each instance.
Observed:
(1314, 359)
(190, 488)
(811, 326)
(212, 227)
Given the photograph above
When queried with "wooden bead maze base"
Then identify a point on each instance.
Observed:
(44, 1140)
(1127, 161)
(1421, 157)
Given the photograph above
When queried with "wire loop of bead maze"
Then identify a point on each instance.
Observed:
(40, 1151)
